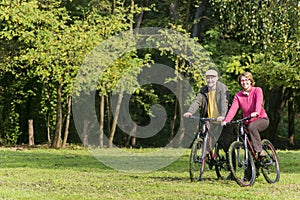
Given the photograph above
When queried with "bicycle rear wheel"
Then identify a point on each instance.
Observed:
(197, 160)
(221, 163)
(270, 165)
(242, 169)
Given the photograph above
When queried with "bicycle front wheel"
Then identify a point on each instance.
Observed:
(241, 164)
(270, 165)
(197, 160)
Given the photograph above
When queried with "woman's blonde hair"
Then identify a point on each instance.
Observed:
(247, 75)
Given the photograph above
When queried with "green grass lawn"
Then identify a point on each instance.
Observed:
(76, 174)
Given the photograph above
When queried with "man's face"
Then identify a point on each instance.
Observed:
(211, 81)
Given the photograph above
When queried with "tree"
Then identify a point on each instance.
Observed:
(50, 48)
(271, 29)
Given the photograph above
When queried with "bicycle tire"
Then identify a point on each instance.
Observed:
(197, 164)
(242, 169)
(221, 163)
(270, 165)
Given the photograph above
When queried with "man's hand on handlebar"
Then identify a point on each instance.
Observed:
(187, 114)
(220, 118)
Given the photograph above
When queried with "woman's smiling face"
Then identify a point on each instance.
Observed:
(245, 83)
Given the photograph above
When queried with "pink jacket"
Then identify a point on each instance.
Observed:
(248, 103)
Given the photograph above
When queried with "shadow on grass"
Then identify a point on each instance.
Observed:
(50, 159)
(185, 179)
(82, 160)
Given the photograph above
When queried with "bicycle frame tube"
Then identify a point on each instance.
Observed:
(201, 131)
(204, 140)
(248, 145)
(245, 144)
(240, 134)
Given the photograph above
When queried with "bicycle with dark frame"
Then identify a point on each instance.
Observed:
(203, 153)
(245, 164)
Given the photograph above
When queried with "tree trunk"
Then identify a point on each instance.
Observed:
(291, 119)
(200, 12)
(133, 136)
(84, 134)
(276, 102)
(56, 142)
(177, 105)
(48, 131)
(115, 120)
(101, 121)
(109, 111)
(182, 131)
(113, 7)
(138, 20)
(66, 134)
(30, 132)
(174, 11)
(131, 141)
(131, 13)
(173, 121)
(187, 15)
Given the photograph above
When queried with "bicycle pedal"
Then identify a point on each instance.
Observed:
(267, 163)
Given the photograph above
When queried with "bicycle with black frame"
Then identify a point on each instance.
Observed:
(204, 154)
(245, 164)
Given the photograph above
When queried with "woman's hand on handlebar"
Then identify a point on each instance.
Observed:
(254, 114)
(239, 120)
(223, 123)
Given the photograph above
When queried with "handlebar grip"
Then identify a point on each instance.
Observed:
(239, 120)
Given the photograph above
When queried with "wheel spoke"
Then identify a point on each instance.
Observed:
(270, 165)
(241, 164)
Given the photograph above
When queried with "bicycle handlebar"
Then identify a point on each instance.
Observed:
(203, 119)
(240, 120)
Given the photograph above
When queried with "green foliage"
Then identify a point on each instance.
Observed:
(43, 43)
(266, 34)
(11, 125)
(272, 29)
(187, 56)
(13, 96)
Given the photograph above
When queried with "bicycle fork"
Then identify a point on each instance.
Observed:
(243, 161)
(204, 142)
